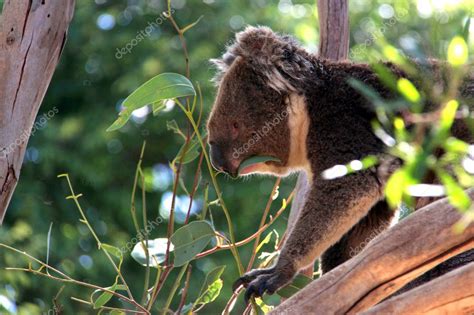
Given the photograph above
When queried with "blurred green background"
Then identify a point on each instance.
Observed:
(85, 95)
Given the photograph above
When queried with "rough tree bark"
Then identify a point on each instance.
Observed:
(32, 36)
(333, 44)
(410, 248)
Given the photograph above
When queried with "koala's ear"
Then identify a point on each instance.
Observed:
(278, 58)
(222, 65)
(257, 41)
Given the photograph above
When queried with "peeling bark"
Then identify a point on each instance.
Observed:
(32, 35)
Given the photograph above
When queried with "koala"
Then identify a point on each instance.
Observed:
(276, 99)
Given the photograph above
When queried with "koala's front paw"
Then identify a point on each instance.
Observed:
(260, 281)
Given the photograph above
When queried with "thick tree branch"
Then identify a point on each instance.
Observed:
(391, 260)
(32, 36)
(444, 295)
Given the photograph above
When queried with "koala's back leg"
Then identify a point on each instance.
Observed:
(376, 221)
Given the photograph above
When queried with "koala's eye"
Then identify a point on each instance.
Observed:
(235, 130)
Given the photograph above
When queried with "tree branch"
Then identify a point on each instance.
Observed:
(390, 261)
(444, 295)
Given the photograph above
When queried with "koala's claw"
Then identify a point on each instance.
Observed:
(250, 276)
(260, 281)
(268, 283)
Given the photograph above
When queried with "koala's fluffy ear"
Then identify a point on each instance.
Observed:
(279, 59)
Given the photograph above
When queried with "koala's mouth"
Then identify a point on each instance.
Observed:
(255, 163)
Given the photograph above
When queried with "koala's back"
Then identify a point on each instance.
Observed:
(341, 118)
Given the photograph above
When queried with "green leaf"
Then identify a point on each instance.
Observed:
(264, 307)
(369, 161)
(455, 145)
(465, 29)
(264, 241)
(190, 151)
(190, 240)
(156, 252)
(448, 114)
(385, 75)
(112, 250)
(395, 187)
(456, 194)
(408, 90)
(104, 297)
(457, 51)
(163, 86)
(298, 283)
(367, 91)
(392, 54)
(211, 287)
(255, 160)
(212, 292)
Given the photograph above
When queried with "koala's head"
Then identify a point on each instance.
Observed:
(258, 106)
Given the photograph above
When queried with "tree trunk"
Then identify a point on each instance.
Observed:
(333, 44)
(32, 36)
(391, 260)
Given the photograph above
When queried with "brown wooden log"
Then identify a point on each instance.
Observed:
(452, 293)
(32, 36)
(390, 261)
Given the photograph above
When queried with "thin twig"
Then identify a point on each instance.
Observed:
(99, 243)
(67, 279)
(262, 222)
(185, 290)
(251, 237)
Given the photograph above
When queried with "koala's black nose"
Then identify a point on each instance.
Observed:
(218, 159)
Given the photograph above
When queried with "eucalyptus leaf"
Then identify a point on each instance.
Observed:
(266, 240)
(211, 288)
(161, 87)
(156, 251)
(212, 293)
(190, 240)
(255, 160)
(112, 250)
(457, 196)
(104, 297)
(395, 187)
(190, 152)
(458, 52)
